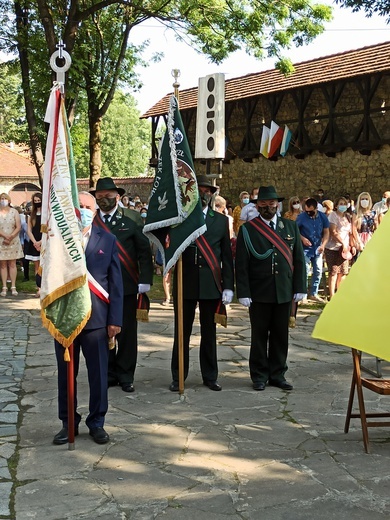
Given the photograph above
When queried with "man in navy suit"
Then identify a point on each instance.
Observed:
(106, 287)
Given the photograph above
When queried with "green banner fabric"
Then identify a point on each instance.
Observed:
(175, 217)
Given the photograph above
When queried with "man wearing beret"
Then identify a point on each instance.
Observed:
(270, 273)
(137, 273)
(208, 280)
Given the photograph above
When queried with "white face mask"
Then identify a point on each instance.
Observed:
(364, 203)
(296, 206)
(384, 200)
(4, 202)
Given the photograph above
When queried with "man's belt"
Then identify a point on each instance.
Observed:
(211, 259)
(125, 259)
(274, 238)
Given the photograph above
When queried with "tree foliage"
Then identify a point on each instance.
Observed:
(13, 125)
(96, 34)
(370, 7)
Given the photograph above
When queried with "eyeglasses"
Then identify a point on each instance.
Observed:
(295, 202)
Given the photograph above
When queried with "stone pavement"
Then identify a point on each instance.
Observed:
(235, 454)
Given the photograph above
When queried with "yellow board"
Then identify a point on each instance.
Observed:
(358, 316)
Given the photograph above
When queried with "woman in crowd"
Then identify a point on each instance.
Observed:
(244, 200)
(34, 232)
(328, 207)
(10, 246)
(364, 221)
(294, 208)
(340, 247)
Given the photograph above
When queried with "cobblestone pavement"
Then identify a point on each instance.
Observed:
(235, 454)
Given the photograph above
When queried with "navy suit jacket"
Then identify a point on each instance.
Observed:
(104, 265)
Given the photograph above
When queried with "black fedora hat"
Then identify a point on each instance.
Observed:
(106, 183)
(204, 181)
(268, 193)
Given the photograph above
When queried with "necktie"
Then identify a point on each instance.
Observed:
(271, 224)
(106, 219)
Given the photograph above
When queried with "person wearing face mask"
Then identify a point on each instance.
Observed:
(314, 229)
(33, 250)
(137, 273)
(341, 246)
(10, 246)
(294, 208)
(244, 201)
(208, 279)
(106, 288)
(364, 221)
(270, 273)
(249, 211)
(381, 207)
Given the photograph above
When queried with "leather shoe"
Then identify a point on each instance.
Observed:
(259, 385)
(174, 386)
(127, 387)
(213, 385)
(62, 436)
(283, 385)
(99, 435)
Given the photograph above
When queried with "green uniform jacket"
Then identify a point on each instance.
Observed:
(198, 279)
(137, 246)
(270, 280)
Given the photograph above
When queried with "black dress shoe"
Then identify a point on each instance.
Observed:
(99, 435)
(259, 385)
(213, 385)
(62, 436)
(174, 386)
(284, 385)
(127, 387)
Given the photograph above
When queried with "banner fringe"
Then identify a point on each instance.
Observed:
(65, 342)
(142, 315)
(63, 290)
(220, 319)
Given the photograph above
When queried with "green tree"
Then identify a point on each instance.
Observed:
(96, 34)
(125, 139)
(13, 125)
(370, 7)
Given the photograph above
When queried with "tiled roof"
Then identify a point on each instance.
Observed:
(360, 62)
(16, 163)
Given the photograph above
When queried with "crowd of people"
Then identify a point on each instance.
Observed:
(273, 258)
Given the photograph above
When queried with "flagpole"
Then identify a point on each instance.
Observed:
(60, 71)
(179, 278)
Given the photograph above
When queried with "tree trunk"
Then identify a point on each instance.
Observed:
(36, 148)
(95, 147)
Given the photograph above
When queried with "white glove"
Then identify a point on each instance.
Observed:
(227, 296)
(298, 297)
(143, 287)
(246, 302)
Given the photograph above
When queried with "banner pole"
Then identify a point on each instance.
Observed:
(70, 376)
(179, 266)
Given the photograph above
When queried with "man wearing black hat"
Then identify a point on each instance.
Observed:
(208, 279)
(270, 273)
(137, 273)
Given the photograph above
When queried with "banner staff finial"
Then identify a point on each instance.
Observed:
(60, 69)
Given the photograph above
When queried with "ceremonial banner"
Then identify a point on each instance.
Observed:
(65, 296)
(287, 134)
(357, 315)
(175, 217)
(264, 141)
(275, 139)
